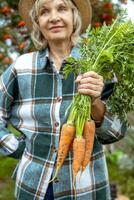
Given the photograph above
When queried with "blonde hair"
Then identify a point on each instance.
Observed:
(37, 37)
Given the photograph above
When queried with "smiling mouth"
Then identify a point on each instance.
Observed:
(56, 27)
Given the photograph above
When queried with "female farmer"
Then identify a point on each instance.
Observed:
(34, 98)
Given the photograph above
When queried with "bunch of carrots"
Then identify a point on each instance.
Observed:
(78, 133)
(82, 147)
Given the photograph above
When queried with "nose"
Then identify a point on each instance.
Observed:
(54, 17)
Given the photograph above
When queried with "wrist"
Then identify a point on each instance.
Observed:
(98, 111)
(95, 100)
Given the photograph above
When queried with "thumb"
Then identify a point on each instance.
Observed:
(79, 77)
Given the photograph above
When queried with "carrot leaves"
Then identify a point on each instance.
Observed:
(108, 50)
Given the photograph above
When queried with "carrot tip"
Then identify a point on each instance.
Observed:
(74, 179)
(55, 175)
(74, 189)
(80, 175)
(73, 183)
(83, 168)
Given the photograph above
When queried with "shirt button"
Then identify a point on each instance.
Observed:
(58, 99)
(56, 124)
(55, 150)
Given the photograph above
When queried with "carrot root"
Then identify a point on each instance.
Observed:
(78, 152)
(66, 138)
(55, 175)
(88, 134)
(74, 188)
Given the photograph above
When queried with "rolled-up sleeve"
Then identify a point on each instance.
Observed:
(9, 144)
(111, 129)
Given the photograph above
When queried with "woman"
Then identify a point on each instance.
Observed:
(35, 96)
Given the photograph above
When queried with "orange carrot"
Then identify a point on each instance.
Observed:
(88, 134)
(78, 155)
(66, 138)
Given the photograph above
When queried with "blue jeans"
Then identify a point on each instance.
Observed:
(49, 193)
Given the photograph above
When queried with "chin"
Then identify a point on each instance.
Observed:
(59, 38)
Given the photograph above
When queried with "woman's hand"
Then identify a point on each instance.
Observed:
(90, 83)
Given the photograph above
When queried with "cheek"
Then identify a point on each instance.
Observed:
(42, 28)
(42, 23)
(70, 23)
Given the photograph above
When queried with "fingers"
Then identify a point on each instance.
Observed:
(90, 83)
(94, 87)
(91, 77)
(92, 93)
(91, 80)
(92, 74)
(78, 79)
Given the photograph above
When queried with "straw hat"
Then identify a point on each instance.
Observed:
(83, 6)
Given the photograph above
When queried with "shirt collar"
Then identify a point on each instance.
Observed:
(44, 56)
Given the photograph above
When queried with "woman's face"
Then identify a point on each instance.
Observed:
(56, 21)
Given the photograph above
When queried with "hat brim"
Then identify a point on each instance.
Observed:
(84, 8)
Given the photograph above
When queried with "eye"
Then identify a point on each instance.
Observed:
(62, 8)
(44, 11)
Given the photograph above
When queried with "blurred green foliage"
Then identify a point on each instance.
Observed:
(124, 179)
(7, 166)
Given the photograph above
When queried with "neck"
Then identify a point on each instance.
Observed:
(58, 52)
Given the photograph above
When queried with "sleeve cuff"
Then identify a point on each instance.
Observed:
(8, 144)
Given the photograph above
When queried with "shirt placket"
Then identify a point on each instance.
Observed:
(56, 107)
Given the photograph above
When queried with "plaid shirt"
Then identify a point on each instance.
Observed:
(34, 97)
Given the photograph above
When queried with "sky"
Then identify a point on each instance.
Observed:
(130, 8)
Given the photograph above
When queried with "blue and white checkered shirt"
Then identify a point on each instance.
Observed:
(34, 98)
